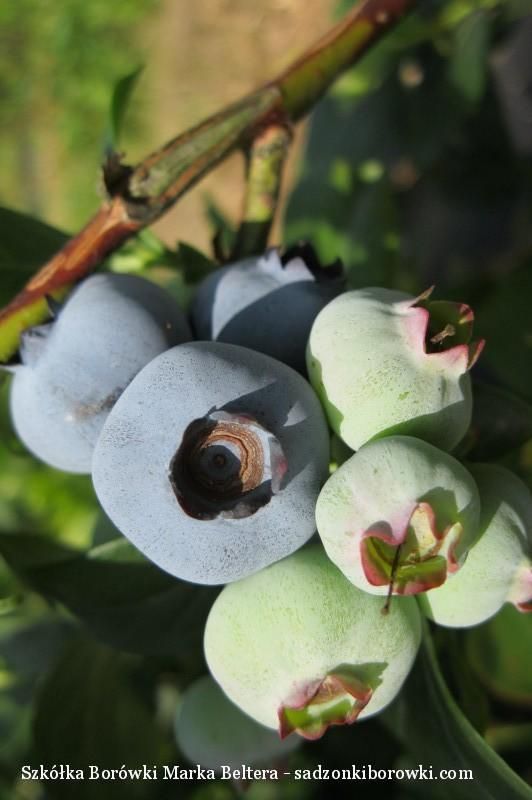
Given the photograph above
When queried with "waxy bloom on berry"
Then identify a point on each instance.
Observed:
(498, 569)
(398, 516)
(384, 362)
(299, 648)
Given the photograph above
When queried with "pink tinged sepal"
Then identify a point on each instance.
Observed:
(416, 559)
(337, 699)
(441, 331)
(521, 592)
(475, 349)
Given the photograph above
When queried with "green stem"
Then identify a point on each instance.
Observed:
(308, 78)
(265, 161)
(164, 176)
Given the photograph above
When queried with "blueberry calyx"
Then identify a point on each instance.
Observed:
(33, 342)
(337, 699)
(308, 255)
(227, 465)
(420, 560)
(449, 325)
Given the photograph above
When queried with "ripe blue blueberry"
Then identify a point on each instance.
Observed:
(74, 368)
(267, 303)
(211, 461)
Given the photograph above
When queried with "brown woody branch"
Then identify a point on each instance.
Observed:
(140, 195)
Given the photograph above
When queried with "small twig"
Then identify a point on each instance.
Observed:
(265, 160)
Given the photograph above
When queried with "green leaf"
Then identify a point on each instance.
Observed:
(224, 232)
(469, 58)
(25, 245)
(504, 320)
(343, 203)
(364, 155)
(500, 652)
(15, 736)
(30, 644)
(31, 639)
(25, 553)
(120, 99)
(435, 732)
(501, 422)
(461, 679)
(94, 709)
(146, 252)
(139, 253)
(123, 599)
(195, 264)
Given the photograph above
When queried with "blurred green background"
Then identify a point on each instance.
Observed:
(60, 61)
(415, 169)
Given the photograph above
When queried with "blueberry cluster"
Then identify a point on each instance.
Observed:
(213, 458)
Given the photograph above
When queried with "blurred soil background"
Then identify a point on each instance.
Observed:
(60, 61)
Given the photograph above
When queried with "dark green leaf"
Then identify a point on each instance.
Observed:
(223, 231)
(25, 553)
(504, 319)
(195, 264)
(501, 422)
(120, 98)
(25, 245)
(363, 156)
(461, 680)
(92, 710)
(469, 58)
(31, 638)
(29, 646)
(121, 597)
(145, 251)
(15, 735)
(500, 652)
(435, 732)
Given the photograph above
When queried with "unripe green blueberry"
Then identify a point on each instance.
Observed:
(385, 362)
(212, 731)
(398, 516)
(498, 568)
(299, 648)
